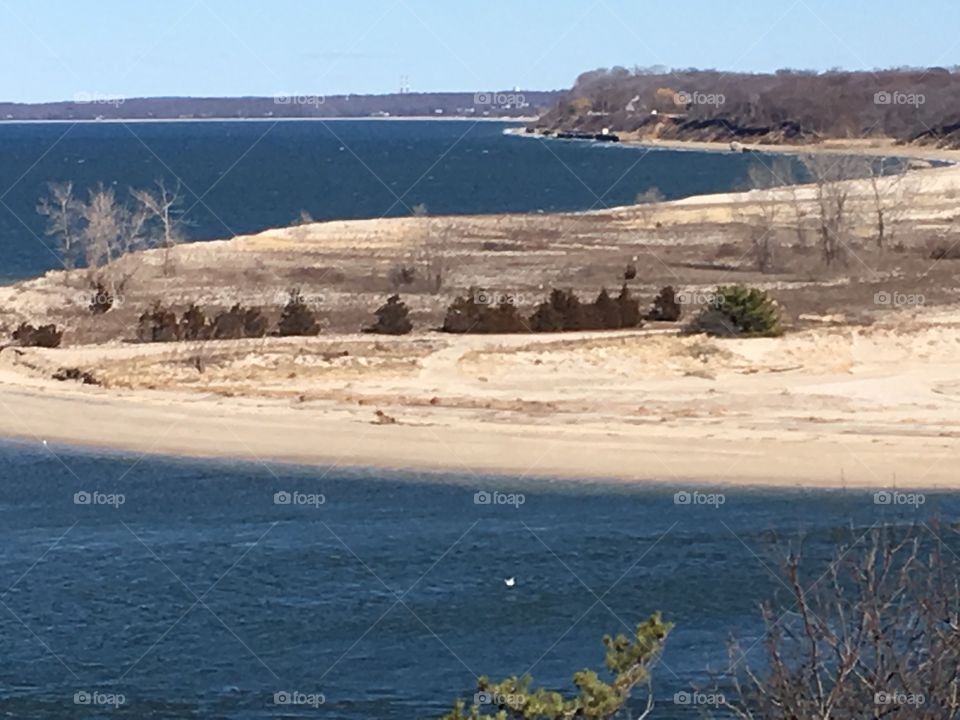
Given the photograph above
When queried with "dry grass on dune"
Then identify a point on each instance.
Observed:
(346, 267)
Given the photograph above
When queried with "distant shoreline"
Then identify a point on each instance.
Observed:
(872, 148)
(122, 121)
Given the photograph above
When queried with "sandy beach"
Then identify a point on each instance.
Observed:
(876, 407)
(866, 398)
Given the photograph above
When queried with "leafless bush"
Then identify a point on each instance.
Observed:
(831, 176)
(875, 636)
(163, 207)
(402, 275)
(771, 211)
(434, 250)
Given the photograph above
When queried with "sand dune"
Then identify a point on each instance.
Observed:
(877, 406)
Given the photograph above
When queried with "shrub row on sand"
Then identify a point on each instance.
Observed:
(161, 324)
(561, 312)
(736, 311)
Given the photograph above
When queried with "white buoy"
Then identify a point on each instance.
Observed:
(510, 582)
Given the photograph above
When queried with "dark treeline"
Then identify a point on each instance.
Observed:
(909, 105)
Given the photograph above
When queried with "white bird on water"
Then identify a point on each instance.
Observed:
(510, 582)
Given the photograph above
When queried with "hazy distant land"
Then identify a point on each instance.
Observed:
(102, 106)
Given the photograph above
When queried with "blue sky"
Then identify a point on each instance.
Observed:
(55, 49)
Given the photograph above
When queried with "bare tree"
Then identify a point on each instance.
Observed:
(799, 214)
(163, 206)
(764, 177)
(103, 226)
(875, 636)
(111, 229)
(795, 211)
(886, 198)
(63, 213)
(434, 248)
(99, 230)
(831, 175)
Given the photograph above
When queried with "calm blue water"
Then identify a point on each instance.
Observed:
(200, 597)
(243, 177)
